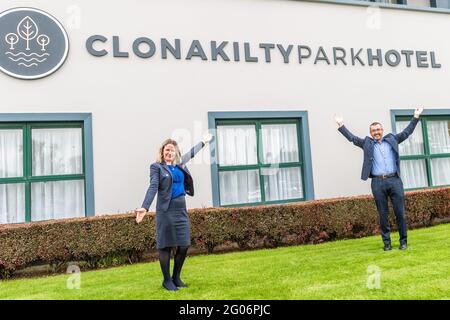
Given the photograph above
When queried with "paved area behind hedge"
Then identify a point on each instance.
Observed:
(335, 270)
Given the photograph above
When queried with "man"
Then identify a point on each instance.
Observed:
(382, 164)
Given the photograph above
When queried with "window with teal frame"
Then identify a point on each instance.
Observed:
(425, 155)
(259, 161)
(440, 4)
(388, 1)
(42, 171)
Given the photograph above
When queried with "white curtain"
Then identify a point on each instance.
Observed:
(57, 200)
(12, 203)
(440, 171)
(279, 143)
(240, 186)
(12, 196)
(412, 146)
(439, 136)
(443, 4)
(282, 183)
(439, 140)
(414, 173)
(236, 145)
(11, 153)
(57, 151)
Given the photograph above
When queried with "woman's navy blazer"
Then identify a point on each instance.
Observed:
(161, 181)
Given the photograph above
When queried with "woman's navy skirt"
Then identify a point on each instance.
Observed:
(172, 226)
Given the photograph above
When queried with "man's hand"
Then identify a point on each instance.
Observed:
(140, 214)
(418, 112)
(339, 120)
(207, 137)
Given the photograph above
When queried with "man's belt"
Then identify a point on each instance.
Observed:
(385, 176)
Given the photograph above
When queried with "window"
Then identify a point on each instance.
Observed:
(440, 4)
(425, 155)
(42, 171)
(260, 160)
(425, 5)
(419, 3)
(388, 1)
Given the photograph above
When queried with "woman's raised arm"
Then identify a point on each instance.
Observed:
(207, 137)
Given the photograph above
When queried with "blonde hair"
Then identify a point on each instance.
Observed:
(160, 155)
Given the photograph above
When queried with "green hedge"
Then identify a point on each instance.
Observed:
(95, 238)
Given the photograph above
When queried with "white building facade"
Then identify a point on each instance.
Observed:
(90, 89)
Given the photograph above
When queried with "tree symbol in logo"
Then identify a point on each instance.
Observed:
(43, 40)
(28, 30)
(11, 39)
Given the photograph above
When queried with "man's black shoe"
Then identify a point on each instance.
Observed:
(403, 246)
(387, 247)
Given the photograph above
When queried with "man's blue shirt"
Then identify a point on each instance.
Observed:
(383, 159)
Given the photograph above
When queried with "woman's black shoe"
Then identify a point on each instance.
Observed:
(169, 285)
(179, 283)
(387, 247)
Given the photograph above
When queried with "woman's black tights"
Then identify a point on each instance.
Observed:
(171, 283)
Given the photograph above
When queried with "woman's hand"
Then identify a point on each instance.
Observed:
(207, 137)
(339, 120)
(418, 112)
(140, 214)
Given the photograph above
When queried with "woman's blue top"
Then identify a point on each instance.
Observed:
(177, 181)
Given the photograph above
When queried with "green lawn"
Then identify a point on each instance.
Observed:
(335, 270)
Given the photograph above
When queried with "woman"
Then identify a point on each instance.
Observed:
(171, 179)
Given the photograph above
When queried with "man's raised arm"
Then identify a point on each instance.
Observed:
(357, 141)
(402, 136)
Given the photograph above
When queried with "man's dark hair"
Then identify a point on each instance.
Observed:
(374, 124)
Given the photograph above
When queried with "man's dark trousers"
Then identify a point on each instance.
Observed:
(382, 190)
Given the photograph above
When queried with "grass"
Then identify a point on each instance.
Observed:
(335, 270)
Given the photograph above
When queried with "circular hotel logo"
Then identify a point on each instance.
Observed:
(33, 44)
